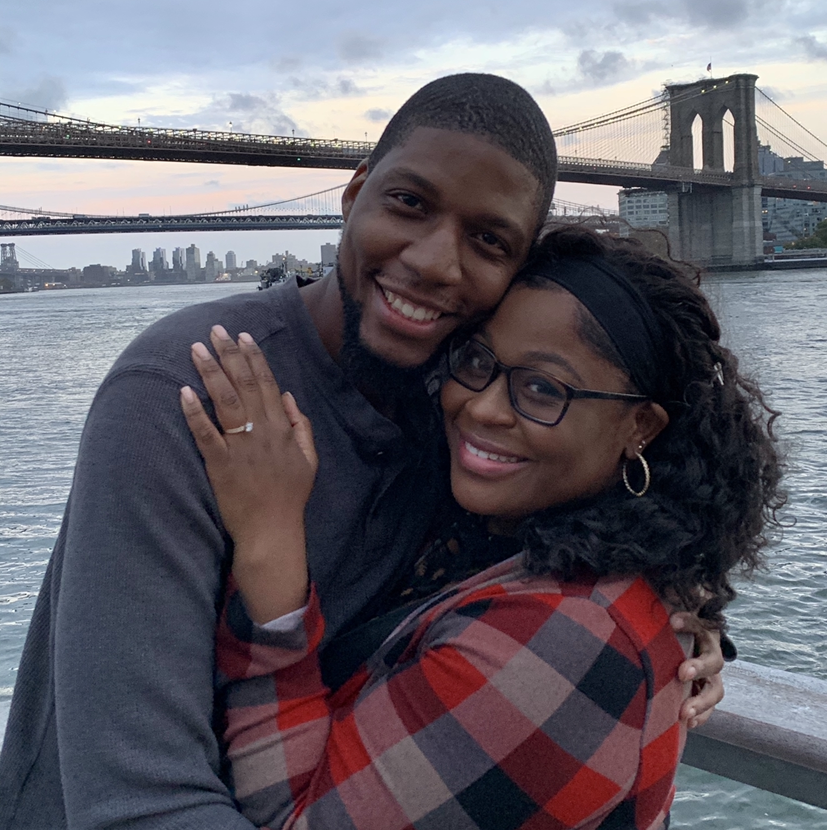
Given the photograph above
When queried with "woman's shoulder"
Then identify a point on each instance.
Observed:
(612, 609)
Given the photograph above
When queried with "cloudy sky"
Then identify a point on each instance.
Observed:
(332, 69)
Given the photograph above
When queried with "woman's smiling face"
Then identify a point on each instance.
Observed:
(506, 465)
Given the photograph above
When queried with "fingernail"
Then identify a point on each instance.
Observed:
(200, 350)
(692, 714)
(220, 332)
(691, 674)
(246, 338)
(676, 623)
(289, 395)
(188, 394)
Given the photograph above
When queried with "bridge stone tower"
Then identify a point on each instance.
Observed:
(8, 258)
(713, 225)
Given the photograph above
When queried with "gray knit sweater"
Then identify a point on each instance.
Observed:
(113, 718)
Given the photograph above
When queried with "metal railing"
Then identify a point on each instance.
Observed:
(770, 731)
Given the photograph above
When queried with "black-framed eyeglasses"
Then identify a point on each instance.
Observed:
(536, 395)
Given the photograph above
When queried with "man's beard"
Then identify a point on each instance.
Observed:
(364, 368)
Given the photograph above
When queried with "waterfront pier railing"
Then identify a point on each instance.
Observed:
(770, 731)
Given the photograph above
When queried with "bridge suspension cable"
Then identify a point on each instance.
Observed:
(611, 117)
(31, 260)
(786, 140)
(328, 196)
(794, 120)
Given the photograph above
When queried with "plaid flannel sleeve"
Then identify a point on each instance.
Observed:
(509, 708)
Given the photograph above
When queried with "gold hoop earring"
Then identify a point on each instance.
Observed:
(646, 474)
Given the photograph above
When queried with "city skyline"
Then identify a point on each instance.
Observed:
(114, 249)
(177, 259)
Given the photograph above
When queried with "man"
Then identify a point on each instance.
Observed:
(112, 723)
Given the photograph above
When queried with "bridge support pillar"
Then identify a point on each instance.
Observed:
(718, 227)
(710, 226)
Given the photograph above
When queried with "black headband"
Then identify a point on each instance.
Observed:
(619, 308)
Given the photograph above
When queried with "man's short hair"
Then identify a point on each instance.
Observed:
(488, 106)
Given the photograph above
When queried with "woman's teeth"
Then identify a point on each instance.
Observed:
(491, 456)
(411, 312)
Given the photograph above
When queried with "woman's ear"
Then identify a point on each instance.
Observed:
(353, 188)
(650, 420)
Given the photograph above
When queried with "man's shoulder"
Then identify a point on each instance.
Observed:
(164, 347)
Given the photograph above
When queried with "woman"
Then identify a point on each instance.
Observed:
(595, 420)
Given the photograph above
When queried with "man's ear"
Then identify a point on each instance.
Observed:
(650, 420)
(353, 188)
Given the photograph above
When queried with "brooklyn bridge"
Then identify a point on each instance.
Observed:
(697, 142)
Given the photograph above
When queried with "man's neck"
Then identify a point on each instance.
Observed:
(325, 306)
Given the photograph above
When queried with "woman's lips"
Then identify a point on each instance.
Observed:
(485, 459)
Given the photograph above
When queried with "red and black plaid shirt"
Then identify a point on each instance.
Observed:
(505, 702)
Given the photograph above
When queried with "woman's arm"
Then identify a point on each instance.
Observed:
(262, 470)
(505, 707)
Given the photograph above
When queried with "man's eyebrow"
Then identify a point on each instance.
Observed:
(494, 220)
(414, 178)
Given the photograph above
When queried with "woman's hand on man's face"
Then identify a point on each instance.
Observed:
(703, 670)
(261, 468)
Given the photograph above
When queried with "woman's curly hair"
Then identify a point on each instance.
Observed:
(716, 468)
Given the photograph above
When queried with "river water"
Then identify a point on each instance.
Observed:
(56, 346)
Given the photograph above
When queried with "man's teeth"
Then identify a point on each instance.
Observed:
(491, 456)
(411, 312)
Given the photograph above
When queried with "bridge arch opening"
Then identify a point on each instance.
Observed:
(728, 132)
(697, 142)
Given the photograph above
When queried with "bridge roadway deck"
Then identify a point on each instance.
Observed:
(20, 137)
(64, 225)
(46, 226)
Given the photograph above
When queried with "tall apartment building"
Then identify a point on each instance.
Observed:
(139, 261)
(159, 265)
(193, 264)
(178, 263)
(213, 267)
(136, 271)
(230, 260)
(328, 255)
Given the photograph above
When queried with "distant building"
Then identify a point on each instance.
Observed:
(158, 265)
(136, 271)
(193, 264)
(643, 208)
(139, 261)
(291, 262)
(251, 265)
(230, 261)
(213, 267)
(785, 220)
(179, 272)
(328, 254)
(38, 277)
(99, 274)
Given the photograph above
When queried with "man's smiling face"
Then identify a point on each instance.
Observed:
(433, 236)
